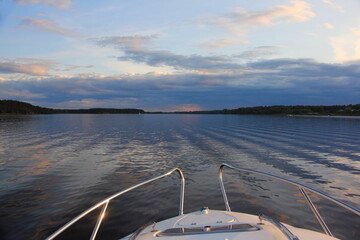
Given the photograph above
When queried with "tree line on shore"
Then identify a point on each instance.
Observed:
(349, 110)
(18, 107)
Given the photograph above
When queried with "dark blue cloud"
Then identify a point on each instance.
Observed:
(166, 58)
(135, 49)
(267, 82)
(258, 53)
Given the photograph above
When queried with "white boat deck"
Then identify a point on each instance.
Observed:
(223, 225)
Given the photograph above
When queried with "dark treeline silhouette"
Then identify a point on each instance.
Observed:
(17, 107)
(350, 110)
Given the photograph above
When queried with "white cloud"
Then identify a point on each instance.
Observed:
(346, 48)
(243, 20)
(223, 43)
(47, 26)
(53, 3)
(356, 31)
(334, 5)
(90, 76)
(329, 26)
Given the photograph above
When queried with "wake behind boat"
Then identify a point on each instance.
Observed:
(216, 224)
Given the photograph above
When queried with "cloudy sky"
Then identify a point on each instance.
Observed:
(179, 54)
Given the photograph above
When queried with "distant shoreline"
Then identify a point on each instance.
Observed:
(184, 113)
(334, 116)
(12, 107)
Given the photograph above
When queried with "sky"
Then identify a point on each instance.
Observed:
(180, 55)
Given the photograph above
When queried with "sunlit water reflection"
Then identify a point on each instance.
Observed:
(55, 166)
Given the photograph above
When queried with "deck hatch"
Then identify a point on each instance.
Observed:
(208, 229)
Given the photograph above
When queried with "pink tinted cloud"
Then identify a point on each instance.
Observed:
(46, 25)
(26, 66)
(53, 3)
(241, 20)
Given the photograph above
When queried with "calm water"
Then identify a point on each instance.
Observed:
(52, 167)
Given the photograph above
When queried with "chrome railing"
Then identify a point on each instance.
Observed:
(301, 187)
(280, 226)
(104, 203)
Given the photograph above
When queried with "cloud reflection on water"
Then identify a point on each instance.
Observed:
(57, 165)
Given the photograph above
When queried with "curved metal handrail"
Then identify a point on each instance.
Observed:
(106, 201)
(280, 226)
(301, 187)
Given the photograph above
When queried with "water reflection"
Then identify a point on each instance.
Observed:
(53, 167)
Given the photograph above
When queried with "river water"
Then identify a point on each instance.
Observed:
(52, 167)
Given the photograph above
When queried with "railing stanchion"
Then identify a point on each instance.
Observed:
(100, 218)
(223, 189)
(315, 211)
(182, 192)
